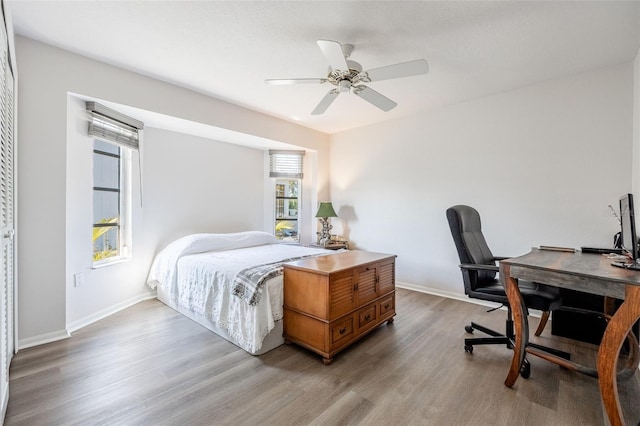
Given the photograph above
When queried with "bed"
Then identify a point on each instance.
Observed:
(229, 283)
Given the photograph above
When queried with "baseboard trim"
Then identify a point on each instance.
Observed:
(441, 293)
(41, 339)
(82, 322)
(90, 319)
(103, 313)
(456, 296)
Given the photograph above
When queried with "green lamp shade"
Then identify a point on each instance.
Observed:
(326, 210)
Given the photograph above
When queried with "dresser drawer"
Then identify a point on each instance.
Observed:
(367, 316)
(342, 330)
(387, 305)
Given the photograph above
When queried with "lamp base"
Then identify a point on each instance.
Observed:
(324, 236)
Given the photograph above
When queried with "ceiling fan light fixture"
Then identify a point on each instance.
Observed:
(344, 86)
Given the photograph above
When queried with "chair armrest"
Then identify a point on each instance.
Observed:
(477, 267)
(501, 258)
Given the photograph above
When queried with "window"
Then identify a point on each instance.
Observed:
(116, 136)
(287, 201)
(109, 193)
(286, 168)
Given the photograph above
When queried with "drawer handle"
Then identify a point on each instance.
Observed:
(342, 330)
(386, 306)
(367, 317)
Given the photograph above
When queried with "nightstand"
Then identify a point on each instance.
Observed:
(333, 246)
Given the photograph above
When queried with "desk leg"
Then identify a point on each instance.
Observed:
(520, 323)
(615, 334)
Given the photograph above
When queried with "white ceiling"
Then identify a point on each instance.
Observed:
(227, 49)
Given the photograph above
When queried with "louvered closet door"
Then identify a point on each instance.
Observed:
(6, 214)
(7, 209)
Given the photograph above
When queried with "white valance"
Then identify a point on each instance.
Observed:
(285, 164)
(113, 126)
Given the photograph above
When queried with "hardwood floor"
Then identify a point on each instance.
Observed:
(151, 365)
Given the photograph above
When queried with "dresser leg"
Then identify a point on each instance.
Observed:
(391, 320)
(327, 361)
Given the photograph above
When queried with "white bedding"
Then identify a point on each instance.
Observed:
(197, 273)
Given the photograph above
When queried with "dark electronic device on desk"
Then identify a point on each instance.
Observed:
(628, 233)
(600, 250)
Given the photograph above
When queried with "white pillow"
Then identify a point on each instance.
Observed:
(200, 243)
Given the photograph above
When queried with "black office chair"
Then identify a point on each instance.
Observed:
(479, 273)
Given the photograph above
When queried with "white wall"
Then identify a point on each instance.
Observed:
(50, 174)
(541, 164)
(105, 286)
(198, 185)
(636, 128)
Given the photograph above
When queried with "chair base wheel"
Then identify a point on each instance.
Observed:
(525, 369)
(468, 329)
(468, 349)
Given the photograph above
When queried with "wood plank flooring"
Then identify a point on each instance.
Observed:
(148, 365)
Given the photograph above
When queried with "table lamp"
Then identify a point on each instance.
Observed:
(325, 211)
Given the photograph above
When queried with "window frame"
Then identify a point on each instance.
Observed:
(124, 203)
(287, 199)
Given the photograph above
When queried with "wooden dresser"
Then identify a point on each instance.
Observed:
(332, 301)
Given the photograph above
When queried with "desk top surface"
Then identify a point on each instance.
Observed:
(586, 265)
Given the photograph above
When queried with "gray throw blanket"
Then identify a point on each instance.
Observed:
(249, 283)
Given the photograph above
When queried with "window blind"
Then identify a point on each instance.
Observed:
(113, 126)
(285, 164)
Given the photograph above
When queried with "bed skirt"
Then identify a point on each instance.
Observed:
(270, 342)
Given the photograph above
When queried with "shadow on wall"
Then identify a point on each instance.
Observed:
(347, 215)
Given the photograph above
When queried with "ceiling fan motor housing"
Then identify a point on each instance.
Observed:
(336, 77)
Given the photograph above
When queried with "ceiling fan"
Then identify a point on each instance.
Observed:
(347, 76)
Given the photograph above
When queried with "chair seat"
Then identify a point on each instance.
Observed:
(535, 295)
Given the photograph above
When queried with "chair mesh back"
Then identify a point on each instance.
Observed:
(464, 222)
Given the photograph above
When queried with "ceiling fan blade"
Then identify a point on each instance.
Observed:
(325, 102)
(405, 69)
(283, 81)
(374, 98)
(332, 50)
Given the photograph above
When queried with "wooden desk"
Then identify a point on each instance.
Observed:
(591, 273)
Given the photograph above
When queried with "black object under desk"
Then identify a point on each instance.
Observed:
(585, 327)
